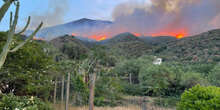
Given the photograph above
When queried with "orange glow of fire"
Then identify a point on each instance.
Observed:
(179, 36)
(73, 34)
(35, 38)
(99, 37)
(137, 34)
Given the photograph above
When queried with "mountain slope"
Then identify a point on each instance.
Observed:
(79, 26)
(70, 46)
(204, 47)
(158, 40)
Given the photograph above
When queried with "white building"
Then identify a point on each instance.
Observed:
(157, 61)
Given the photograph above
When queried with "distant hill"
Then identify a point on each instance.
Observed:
(123, 37)
(158, 40)
(79, 26)
(70, 46)
(204, 47)
(127, 44)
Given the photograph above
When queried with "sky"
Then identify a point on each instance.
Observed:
(76, 9)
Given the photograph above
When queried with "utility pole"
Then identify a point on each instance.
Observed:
(67, 92)
(91, 94)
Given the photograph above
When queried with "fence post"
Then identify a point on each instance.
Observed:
(67, 92)
(62, 89)
(144, 104)
(62, 92)
(55, 91)
(91, 94)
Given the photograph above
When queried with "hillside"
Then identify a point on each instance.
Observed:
(70, 46)
(204, 47)
(158, 40)
(199, 48)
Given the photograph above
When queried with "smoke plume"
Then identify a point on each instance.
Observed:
(53, 16)
(167, 17)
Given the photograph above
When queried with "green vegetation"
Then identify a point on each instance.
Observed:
(36, 74)
(38, 69)
(11, 32)
(201, 48)
(12, 102)
(200, 98)
(214, 76)
(27, 71)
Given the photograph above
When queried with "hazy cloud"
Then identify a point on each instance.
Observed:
(167, 16)
(53, 16)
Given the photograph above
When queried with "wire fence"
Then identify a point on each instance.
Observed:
(80, 101)
(130, 103)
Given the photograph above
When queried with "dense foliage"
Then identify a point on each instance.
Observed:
(27, 71)
(199, 48)
(12, 102)
(124, 66)
(200, 98)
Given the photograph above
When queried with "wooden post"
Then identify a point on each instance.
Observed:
(55, 91)
(67, 92)
(62, 89)
(130, 78)
(62, 92)
(91, 94)
(144, 104)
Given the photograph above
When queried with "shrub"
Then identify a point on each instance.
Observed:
(12, 102)
(200, 98)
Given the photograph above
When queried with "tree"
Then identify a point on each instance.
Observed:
(160, 79)
(28, 71)
(12, 27)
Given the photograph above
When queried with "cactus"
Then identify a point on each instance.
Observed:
(11, 33)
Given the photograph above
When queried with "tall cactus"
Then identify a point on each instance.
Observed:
(11, 33)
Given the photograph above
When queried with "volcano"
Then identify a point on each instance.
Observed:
(77, 28)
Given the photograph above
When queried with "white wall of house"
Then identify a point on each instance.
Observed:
(157, 61)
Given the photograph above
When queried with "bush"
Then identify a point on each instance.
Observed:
(12, 102)
(200, 98)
